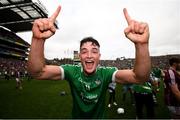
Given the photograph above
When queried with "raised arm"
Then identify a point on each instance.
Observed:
(138, 33)
(42, 29)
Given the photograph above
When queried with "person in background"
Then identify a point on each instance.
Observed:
(6, 75)
(128, 88)
(112, 94)
(18, 80)
(156, 76)
(172, 88)
(143, 95)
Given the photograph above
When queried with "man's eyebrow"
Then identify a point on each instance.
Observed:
(95, 48)
(83, 49)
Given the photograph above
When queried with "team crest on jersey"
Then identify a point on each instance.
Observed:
(86, 94)
(98, 82)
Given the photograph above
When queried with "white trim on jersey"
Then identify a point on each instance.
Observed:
(113, 76)
(62, 73)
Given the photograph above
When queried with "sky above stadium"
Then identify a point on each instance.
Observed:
(104, 20)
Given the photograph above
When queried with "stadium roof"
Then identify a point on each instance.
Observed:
(18, 15)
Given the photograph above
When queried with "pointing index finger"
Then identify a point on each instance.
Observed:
(128, 18)
(55, 14)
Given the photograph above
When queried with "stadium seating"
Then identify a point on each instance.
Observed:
(12, 46)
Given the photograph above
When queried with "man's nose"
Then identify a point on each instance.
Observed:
(89, 55)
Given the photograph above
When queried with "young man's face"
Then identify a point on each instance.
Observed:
(89, 56)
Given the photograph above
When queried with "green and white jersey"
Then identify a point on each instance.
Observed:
(156, 72)
(143, 88)
(88, 92)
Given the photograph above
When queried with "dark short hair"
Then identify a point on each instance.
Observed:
(89, 39)
(174, 60)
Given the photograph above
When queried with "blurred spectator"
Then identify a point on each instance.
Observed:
(128, 88)
(112, 94)
(172, 88)
(156, 76)
(144, 98)
(18, 80)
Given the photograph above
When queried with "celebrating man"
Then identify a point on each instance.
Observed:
(89, 81)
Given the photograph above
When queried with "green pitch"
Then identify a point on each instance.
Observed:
(46, 99)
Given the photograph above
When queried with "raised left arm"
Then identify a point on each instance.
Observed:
(138, 33)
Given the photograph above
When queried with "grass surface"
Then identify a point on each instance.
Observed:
(42, 99)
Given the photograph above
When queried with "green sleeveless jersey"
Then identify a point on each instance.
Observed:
(88, 92)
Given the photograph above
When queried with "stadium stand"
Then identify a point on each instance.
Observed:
(161, 61)
(12, 46)
(21, 14)
(17, 16)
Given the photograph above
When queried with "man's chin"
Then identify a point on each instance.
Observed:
(89, 72)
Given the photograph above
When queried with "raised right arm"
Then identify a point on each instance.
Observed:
(42, 29)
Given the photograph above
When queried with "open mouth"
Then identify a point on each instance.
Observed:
(89, 64)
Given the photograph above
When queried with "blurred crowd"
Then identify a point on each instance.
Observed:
(11, 66)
